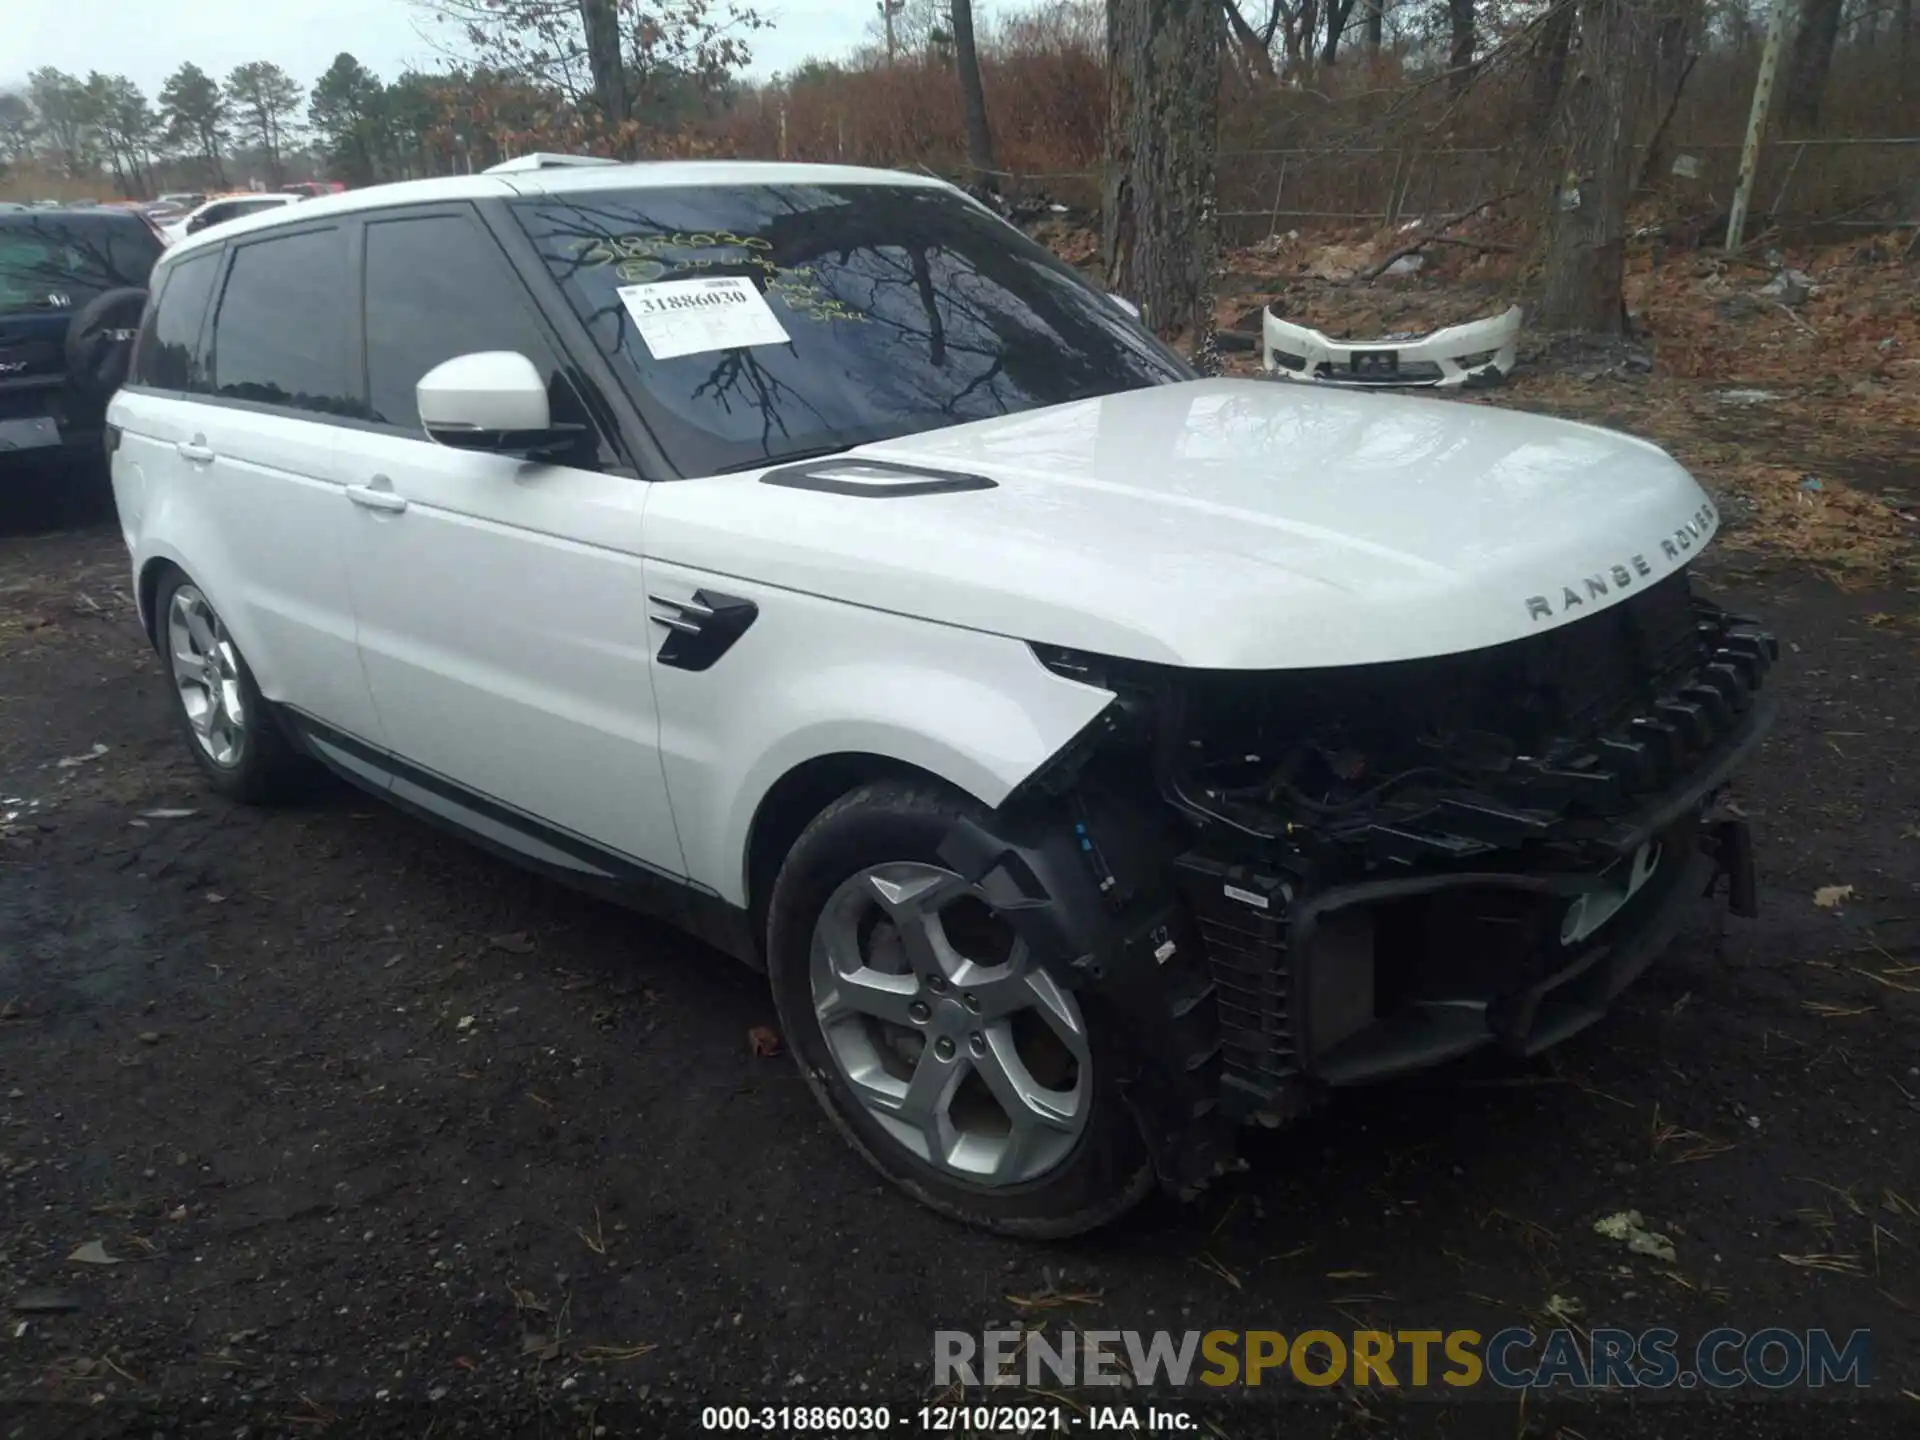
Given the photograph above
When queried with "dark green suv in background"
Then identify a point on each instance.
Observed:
(72, 286)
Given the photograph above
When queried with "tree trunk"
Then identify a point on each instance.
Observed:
(1807, 62)
(1460, 52)
(1903, 17)
(1674, 62)
(973, 98)
(1258, 57)
(600, 21)
(1583, 287)
(1160, 229)
(1551, 69)
(1376, 25)
(1337, 13)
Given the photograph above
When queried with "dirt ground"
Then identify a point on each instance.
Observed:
(387, 1135)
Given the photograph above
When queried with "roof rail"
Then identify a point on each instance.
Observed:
(544, 160)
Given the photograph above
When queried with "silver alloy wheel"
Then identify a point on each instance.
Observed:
(936, 1015)
(206, 672)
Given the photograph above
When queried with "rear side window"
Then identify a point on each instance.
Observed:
(168, 356)
(280, 333)
(60, 262)
(437, 286)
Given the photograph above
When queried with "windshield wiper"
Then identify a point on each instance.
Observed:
(815, 453)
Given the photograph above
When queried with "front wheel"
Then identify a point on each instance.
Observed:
(953, 1061)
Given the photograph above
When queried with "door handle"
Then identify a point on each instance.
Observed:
(195, 451)
(377, 496)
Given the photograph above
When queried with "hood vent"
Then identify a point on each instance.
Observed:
(874, 479)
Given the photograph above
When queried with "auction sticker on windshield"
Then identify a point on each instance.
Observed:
(692, 317)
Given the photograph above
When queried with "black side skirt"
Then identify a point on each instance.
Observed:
(514, 835)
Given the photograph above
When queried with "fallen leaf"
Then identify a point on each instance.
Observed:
(72, 760)
(94, 1252)
(1627, 1225)
(214, 897)
(763, 1040)
(465, 1023)
(515, 944)
(168, 814)
(1828, 897)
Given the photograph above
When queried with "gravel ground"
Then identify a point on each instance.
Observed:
(389, 1136)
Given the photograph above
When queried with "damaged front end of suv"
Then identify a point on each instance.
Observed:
(1284, 882)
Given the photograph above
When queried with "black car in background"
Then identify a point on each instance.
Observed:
(72, 286)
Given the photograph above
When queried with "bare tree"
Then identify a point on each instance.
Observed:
(1254, 47)
(1602, 103)
(1808, 60)
(1550, 60)
(1160, 229)
(1338, 13)
(1460, 19)
(973, 98)
(600, 28)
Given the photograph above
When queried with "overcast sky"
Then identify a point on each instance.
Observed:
(147, 40)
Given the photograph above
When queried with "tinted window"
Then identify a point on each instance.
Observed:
(60, 262)
(437, 287)
(280, 334)
(904, 308)
(168, 355)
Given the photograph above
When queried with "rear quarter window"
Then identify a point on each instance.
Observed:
(169, 355)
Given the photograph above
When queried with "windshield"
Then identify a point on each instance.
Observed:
(61, 262)
(759, 323)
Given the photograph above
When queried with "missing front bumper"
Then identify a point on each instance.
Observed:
(1480, 352)
(1364, 982)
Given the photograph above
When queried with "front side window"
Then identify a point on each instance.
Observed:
(280, 333)
(759, 323)
(437, 286)
(168, 355)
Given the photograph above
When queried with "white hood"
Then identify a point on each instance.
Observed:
(1237, 524)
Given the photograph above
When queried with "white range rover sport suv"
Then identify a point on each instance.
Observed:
(1096, 758)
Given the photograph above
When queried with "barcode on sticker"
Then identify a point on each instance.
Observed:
(1245, 897)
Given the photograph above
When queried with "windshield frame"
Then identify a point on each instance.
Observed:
(503, 217)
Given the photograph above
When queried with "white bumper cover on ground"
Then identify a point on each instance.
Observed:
(1481, 351)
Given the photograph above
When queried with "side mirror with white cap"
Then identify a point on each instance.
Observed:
(492, 400)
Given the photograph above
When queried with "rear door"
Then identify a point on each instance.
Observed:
(151, 411)
(501, 606)
(253, 502)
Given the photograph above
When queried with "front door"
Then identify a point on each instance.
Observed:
(501, 608)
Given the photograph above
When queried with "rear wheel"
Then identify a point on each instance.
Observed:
(954, 1062)
(231, 731)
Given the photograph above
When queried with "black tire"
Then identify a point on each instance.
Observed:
(1108, 1170)
(266, 767)
(99, 341)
